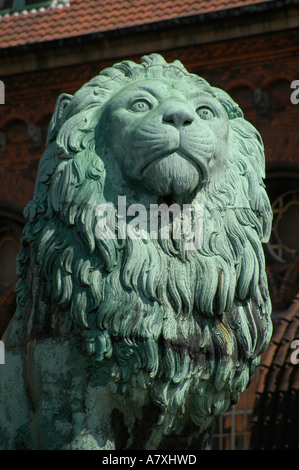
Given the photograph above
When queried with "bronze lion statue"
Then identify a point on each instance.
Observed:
(138, 342)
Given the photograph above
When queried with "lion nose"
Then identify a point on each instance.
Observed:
(178, 115)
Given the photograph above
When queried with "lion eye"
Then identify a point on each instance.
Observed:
(140, 106)
(205, 113)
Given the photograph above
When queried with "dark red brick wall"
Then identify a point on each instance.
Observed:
(266, 62)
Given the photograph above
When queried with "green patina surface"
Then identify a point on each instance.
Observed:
(146, 323)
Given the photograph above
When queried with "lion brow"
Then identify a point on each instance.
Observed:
(198, 93)
(149, 90)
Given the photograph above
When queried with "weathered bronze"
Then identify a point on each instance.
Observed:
(126, 336)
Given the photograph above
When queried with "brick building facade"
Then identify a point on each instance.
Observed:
(248, 48)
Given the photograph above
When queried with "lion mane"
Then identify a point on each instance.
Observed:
(183, 330)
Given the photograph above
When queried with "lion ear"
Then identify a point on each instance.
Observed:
(61, 104)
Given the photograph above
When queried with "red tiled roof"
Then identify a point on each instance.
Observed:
(276, 411)
(82, 17)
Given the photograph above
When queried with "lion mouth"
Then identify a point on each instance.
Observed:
(199, 166)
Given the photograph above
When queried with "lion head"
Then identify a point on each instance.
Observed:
(182, 329)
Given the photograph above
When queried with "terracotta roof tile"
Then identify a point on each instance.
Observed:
(282, 353)
(95, 16)
(292, 332)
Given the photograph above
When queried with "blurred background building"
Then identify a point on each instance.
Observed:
(248, 48)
